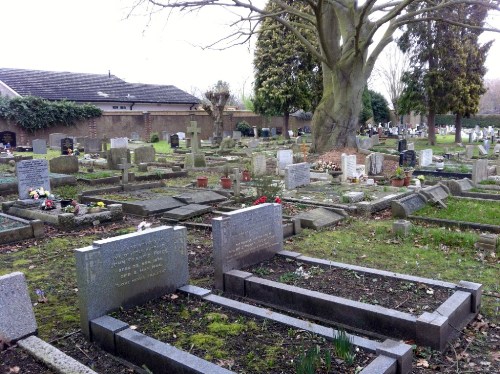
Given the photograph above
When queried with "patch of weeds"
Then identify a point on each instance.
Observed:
(223, 328)
(211, 344)
(488, 182)
(311, 361)
(261, 272)
(344, 349)
(66, 191)
(117, 197)
(289, 277)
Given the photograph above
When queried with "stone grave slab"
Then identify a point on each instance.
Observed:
(297, 175)
(129, 270)
(354, 196)
(188, 211)
(92, 145)
(200, 197)
(32, 174)
(458, 186)
(13, 229)
(320, 217)
(482, 150)
(39, 146)
(151, 207)
(405, 206)
(436, 193)
(374, 163)
(17, 319)
(64, 165)
(246, 237)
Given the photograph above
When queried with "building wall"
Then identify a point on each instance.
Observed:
(124, 123)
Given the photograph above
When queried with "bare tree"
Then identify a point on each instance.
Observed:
(389, 71)
(217, 97)
(345, 33)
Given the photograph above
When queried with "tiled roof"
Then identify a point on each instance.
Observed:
(56, 85)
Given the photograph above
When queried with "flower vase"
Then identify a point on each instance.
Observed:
(226, 182)
(202, 182)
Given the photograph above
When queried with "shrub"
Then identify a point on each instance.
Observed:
(154, 138)
(245, 128)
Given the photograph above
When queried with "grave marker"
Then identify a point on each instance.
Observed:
(408, 159)
(67, 146)
(348, 165)
(259, 164)
(55, 140)
(124, 167)
(174, 141)
(402, 145)
(92, 145)
(135, 136)
(39, 146)
(374, 163)
(193, 132)
(17, 319)
(119, 143)
(482, 150)
(297, 175)
(32, 174)
(246, 237)
(129, 270)
(405, 206)
(115, 155)
(285, 158)
(479, 171)
(64, 165)
(425, 158)
(144, 155)
(237, 135)
(469, 151)
(8, 137)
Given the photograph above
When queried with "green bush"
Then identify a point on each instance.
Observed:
(481, 120)
(154, 138)
(245, 128)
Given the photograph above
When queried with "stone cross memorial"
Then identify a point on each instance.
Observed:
(32, 174)
(124, 167)
(193, 130)
(246, 237)
(130, 269)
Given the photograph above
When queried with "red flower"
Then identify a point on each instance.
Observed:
(277, 200)
(260, 200)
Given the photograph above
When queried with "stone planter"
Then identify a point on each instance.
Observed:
(397, 182)
(94, 209)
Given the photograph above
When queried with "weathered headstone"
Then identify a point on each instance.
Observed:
(237, 135)
(354, 196)
(67, 146)
(425, 158)
(119, 143)
(496, 150)
(408, 159)
(436, 192)
(405, 206)
(482, 150)
(124, 166)
(32, 174)
(196, 160)
(130, 269)
(235, 248)
(174, 141)
(469, 151)
(8, 137)
(92, 145)
(181, 135)
(486, 145)
(254, 143)
(259, 164)
(320, 217)
(165, 136)
(374, 163)
(17, 319)
(193, 131)
(411, 146)
(144, 155)
(363, 143)
(375, 139)
(39, 146)
(297, 175)
(285, 158)
(457, 186)
(64, 165)
(115, 155)
(55, 140)
(135, 136)
(479, 171)
(348, 165)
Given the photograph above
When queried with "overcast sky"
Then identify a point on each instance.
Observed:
(95, 36)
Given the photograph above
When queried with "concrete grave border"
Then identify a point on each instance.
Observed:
(430, 329)
(31, 229)
(118, 338)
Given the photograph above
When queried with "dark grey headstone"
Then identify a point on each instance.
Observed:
(8, 137)
(39, 146)
(201, 197)
(129, 270)
(32, 174)
(174, 141)
(188, 211)
(405, 206)
(64, 165)
(402, 145)
(408, 159)
(318, 218)
(67, 146)
(17, 319)
(434, 193)
(91, 145)
(246, 237)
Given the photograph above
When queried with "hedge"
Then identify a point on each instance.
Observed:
(492, 120)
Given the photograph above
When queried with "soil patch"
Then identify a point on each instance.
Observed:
(408, 297)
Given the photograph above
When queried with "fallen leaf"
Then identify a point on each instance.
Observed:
(14, 369)
(423, 363)
(174, 296)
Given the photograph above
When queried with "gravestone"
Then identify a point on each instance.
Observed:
(92, 145)
(39, 146)
(259, 164)
(196, 160)
(165, 136)
(32, 174)
(408, 159)
(374, 163)
(67, 146)
(115, 155)
(457, 186)
(375, 139)
(237, 135)
(297, 175)
(320, 217)
(119, 143)
(479, 171)
(55, 140)
(193, 131)
(354, 196)
(8, 137)
(181, 135)
(363, 143)
(436, 192)
(135, 136)
(482, 150)
(128, 270)
(405, 206)
(496, 150)
(425, 158)
(273, 131)
(469, 151)
(285, 158)
(411, 146)
(254, 143)
(348, 165)
(144, 155)
(402, 145)
(174, 141)
(265, 132)
(17, 319)
(246, 237)
(64, 165)
(486, 145)
(124, 166)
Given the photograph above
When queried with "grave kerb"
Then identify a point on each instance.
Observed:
(129, 270)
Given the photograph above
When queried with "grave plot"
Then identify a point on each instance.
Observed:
(9, 183)
(131, 270)
(13, 229)
(407, 205)
(431, 327)
(465, 188)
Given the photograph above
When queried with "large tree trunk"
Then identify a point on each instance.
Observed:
(335, 121)
(286, 122)
(458, 128)
(431, 123)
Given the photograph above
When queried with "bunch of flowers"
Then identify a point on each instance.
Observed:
(48, 204)
(38, 193)
(321, 165)
(98, 204)
(263, 199)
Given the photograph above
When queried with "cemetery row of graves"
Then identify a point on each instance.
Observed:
(254, 256)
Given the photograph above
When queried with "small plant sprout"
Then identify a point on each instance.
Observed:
(41, 296)
(344, 348)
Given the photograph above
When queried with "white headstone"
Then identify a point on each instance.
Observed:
(181, 135)
(119, 142)
(259, 164)
(425, 158)
(348, 166)
(285, 158)
(482, 150)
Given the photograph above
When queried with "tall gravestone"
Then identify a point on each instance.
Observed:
(402, 145)
(259, 164)
(17, 319)
(297, 175)
(469, 151)
(425, 158)
(408, 159)
(39, 146)
(285, 158)
(32, 174)
(67, 146)
(129, 270)
(174, 141)
(348, 165)
(55, 140)
(246, 237)
(8, 137)
(479, 171)
(374, 163)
